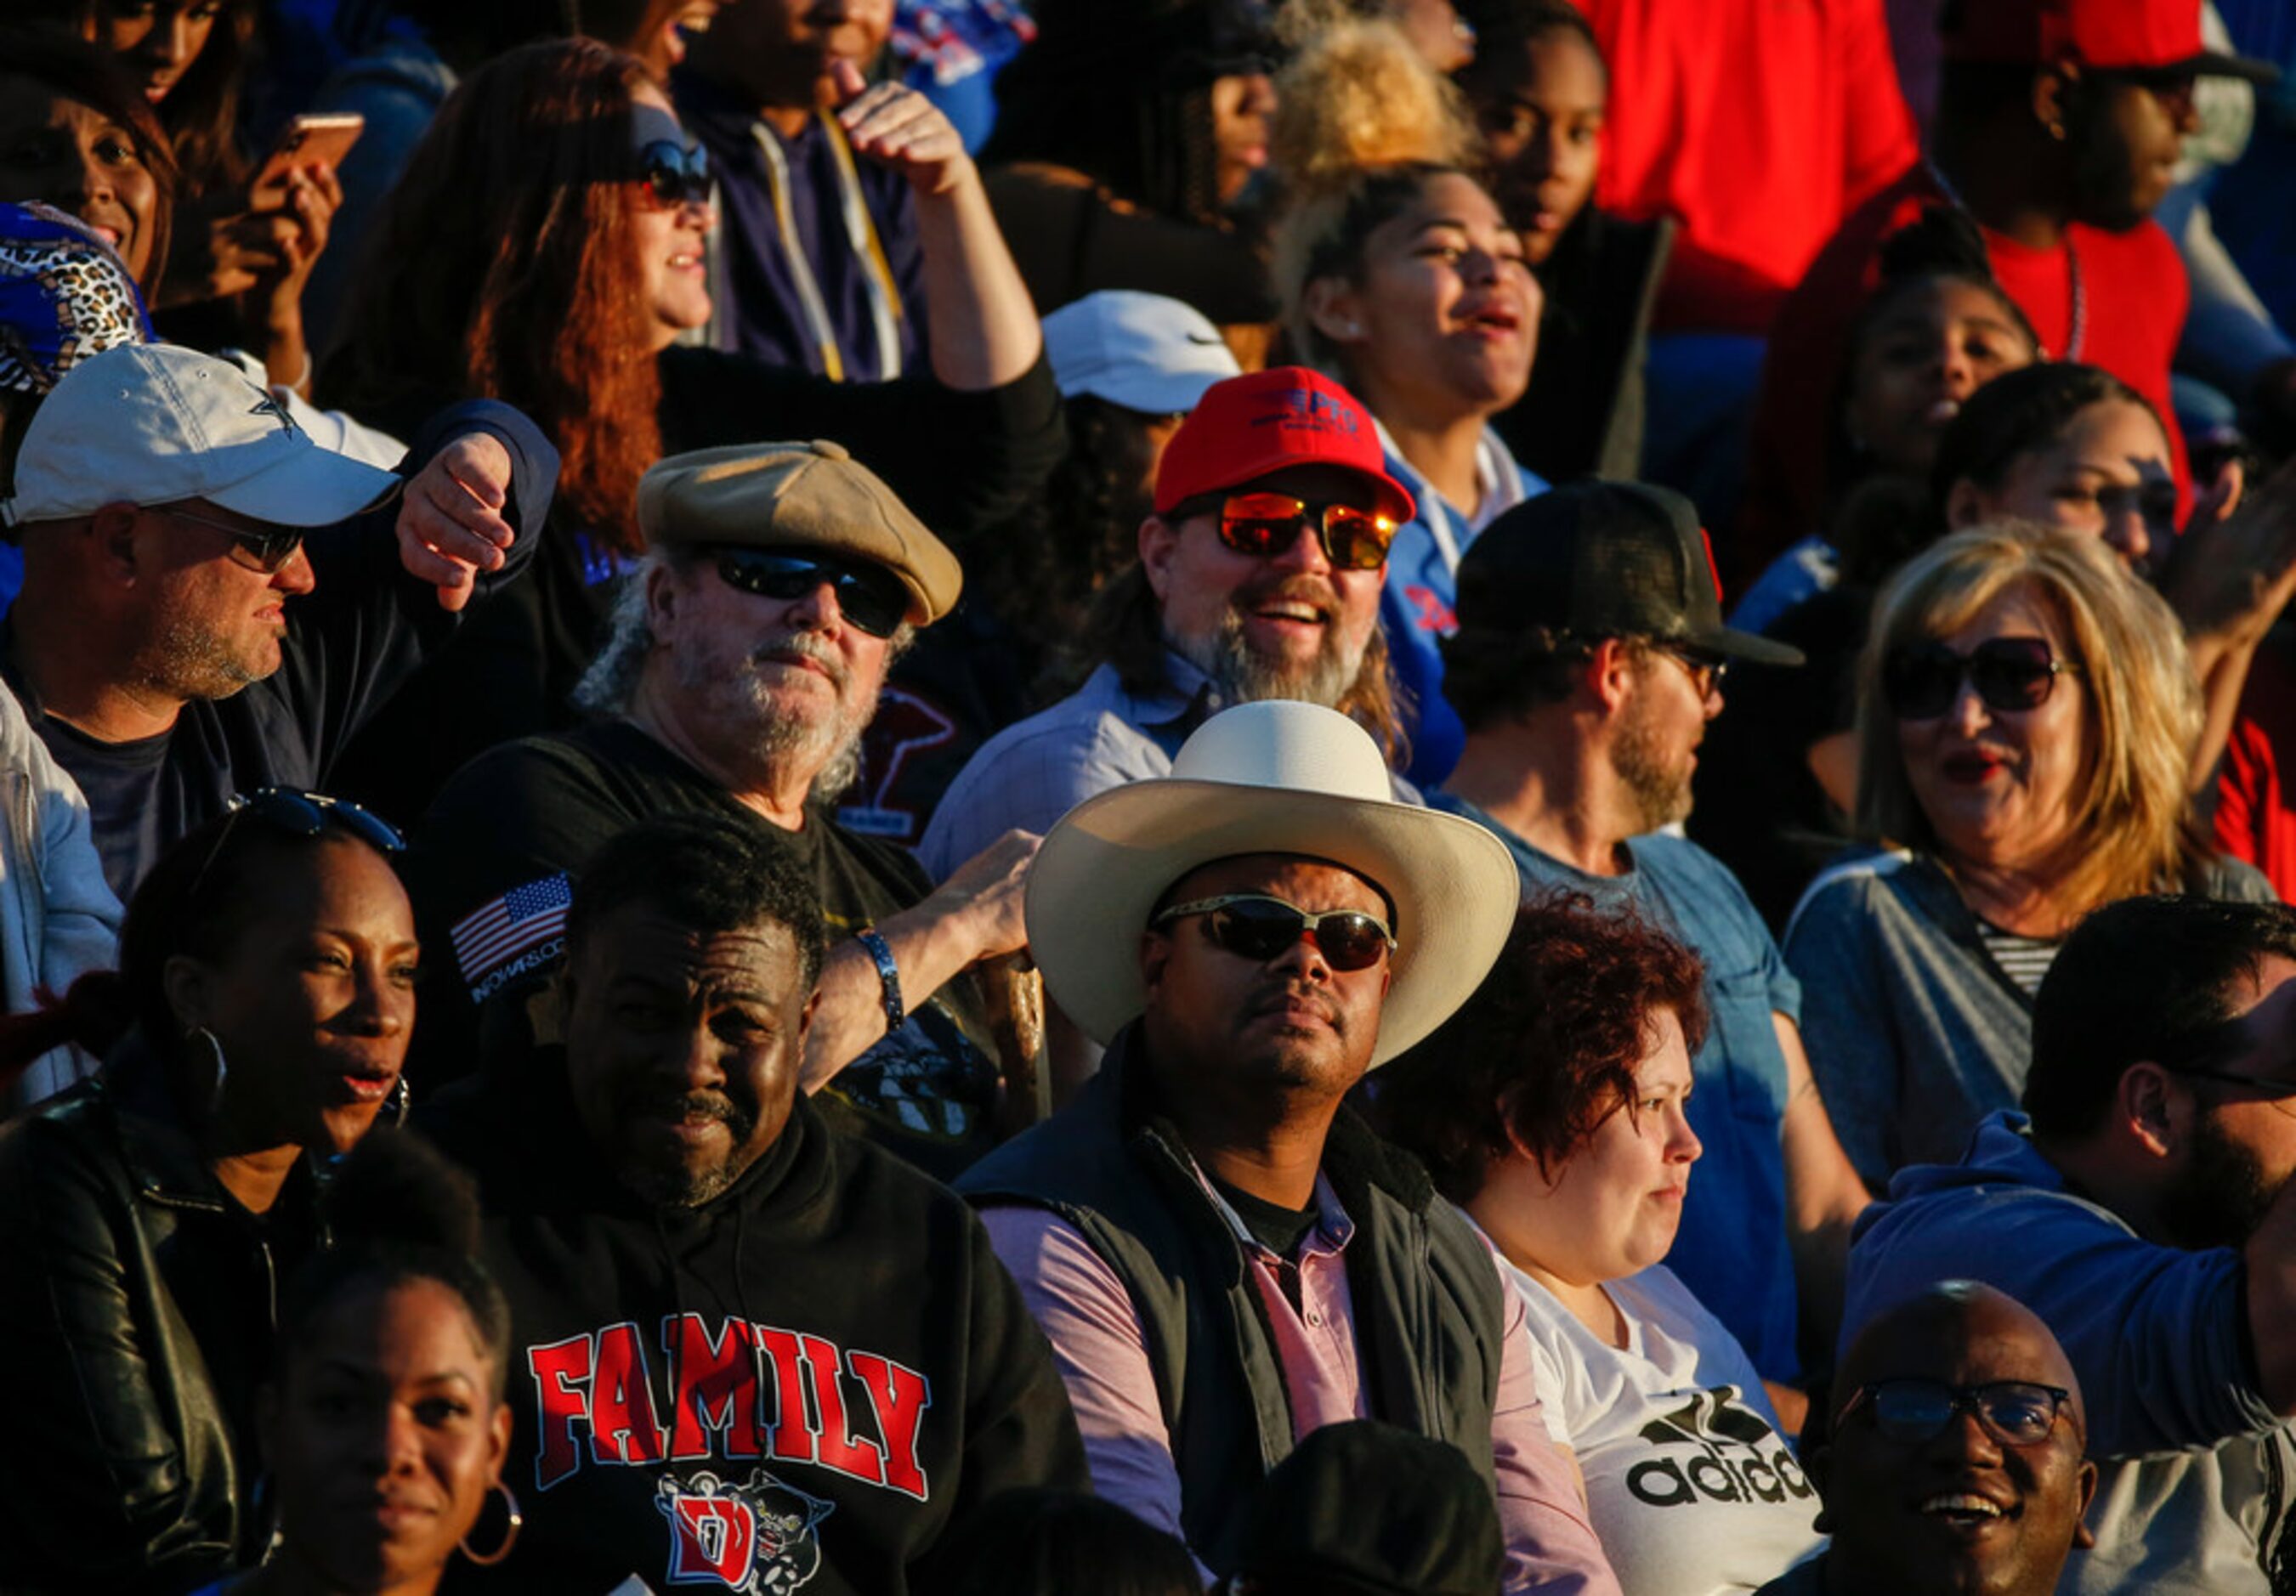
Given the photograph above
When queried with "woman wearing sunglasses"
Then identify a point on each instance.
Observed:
(547, 246)
(255, 1029)
(1550, 1108)
(2026, 719)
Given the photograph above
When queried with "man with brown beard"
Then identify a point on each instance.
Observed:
(1589, 659)
(1258, 578)
(743, 662)
(2143, 1205)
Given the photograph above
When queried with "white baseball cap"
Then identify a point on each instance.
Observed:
(1142, 351)
(153, 423)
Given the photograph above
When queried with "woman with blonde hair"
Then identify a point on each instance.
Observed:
(2027, 714)
(1404, 283)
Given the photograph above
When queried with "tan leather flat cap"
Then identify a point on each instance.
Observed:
(813, 496)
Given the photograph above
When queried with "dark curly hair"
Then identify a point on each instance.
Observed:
(709, 873)
(1546, 1049)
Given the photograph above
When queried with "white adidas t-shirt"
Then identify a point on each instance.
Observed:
(1690, 1486)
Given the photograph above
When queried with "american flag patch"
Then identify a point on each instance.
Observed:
(499, 932)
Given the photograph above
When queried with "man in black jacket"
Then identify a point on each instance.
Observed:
(213, 603)
(747, 1351)
(1224, 1256)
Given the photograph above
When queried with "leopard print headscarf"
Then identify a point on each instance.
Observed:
(64, 297)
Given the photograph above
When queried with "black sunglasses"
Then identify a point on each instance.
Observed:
(2015, 1413)
(265, 549)
(1263, 524)
(868, 595)
(2012, 675)
(1253, 925)
(302, 815)
(675, 174)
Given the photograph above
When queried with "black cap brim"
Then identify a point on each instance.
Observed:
(2211, 64)
(1747, 645)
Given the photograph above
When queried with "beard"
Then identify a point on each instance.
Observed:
(189, 662)
(672, 1185)
(1243, 675)
(754, 728)
(2221, 1197)
(1658, 787)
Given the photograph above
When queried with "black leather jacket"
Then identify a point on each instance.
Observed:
(137, 1302)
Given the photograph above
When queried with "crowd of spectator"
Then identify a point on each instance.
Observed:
(1148, 798)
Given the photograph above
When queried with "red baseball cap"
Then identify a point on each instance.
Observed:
(2127, 36)
(1262, 423)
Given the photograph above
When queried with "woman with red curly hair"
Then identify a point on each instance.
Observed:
(1550, 1109)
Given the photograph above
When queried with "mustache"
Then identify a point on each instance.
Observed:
(1295, 588)
(642, 1104)
(1284, 991)
(804, 645)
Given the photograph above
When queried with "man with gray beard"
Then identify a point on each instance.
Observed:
(1589, 659)
(743, 662)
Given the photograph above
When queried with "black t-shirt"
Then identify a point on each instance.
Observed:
(351, 642)
(1278, 1229)
(489, 870)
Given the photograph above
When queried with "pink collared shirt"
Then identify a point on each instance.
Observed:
(1101, 1347)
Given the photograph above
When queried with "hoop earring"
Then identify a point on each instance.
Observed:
(517, 1520)
(206, 1038)
(398, 1100)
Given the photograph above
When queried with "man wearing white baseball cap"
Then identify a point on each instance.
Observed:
(1223, 1255)
(1143, 353)
(164, 501)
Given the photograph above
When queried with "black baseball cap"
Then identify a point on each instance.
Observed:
(1596, 560)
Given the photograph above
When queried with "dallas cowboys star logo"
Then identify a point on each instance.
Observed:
(271, 407)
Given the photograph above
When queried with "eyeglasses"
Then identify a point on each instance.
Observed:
(302, 815)
(2015, 1413)
(1706, 670)
(268, 549)
(1263, 524)
(868, 595)
(2012, 675)
(675, 174)
(1253, 925)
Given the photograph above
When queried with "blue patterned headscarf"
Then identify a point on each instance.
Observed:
(64, 297)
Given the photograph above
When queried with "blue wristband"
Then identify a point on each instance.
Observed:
(888, 975)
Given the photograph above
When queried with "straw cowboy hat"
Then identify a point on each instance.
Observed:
(1275, 777)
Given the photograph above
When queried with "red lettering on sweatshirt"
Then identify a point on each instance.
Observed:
(792, 1434)
(899, 1397)
(717, 1384)
(562, 1400)
(839, 1450)
(623, 1428)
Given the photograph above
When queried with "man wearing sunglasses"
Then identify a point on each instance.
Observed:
(1260, 578)
(168, 643)
(2141, 1205)
(742, 665)
(1222, 1254)
(1589, 659)
(1954, 1463)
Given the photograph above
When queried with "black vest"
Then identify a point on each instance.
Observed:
(1427, 1303)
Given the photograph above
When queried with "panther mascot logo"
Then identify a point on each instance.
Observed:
(756, 1539)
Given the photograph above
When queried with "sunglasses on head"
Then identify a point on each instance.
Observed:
(2011, 674)
(298, 814)
(1252, 925)
(869, 596)
(675, 174)
(2015, 1413)
(265, 549)
(1265, 525)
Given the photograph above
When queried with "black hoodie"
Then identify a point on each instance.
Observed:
(653, 1351)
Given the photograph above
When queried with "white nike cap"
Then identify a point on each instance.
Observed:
(1142, 351)
(153, 423)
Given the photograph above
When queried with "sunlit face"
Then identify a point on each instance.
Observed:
(384, 1437)
(1541, 113)
(1938, 343)
(62, 152)
(211, 624)
(158, 41)
(663, 31)
(1999, 787)
(683, 1048)
(2106, 474)
(1655, 751)
(1252, 1031)
(1611, 1208)
(1292, 624)
(1243, 105)
(313, 1002)
(1444, 316)
(2241, 1147)
(673, 242)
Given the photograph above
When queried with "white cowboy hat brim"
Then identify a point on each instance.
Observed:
(1110, 858)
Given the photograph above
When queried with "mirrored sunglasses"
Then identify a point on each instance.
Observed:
(675, 174)
(1253, 925)
(1263, 524)
(1912, 1412)
(2011, 676)
(869, 596)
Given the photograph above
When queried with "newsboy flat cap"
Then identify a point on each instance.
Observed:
(808, 495)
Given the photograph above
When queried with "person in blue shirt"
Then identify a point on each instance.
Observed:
(1586, 665)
